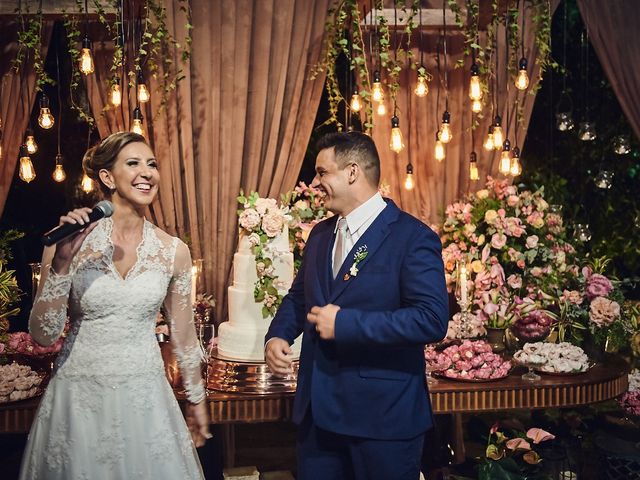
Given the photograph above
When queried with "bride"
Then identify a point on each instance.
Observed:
(108, 411)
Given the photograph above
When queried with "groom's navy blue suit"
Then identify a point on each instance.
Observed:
(369, 381)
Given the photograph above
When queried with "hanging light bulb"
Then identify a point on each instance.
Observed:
(488, 143)
(621, 145)
(397, 143)
(30, 142)
(115, 94)
(87, 184)
(59, 174)
(505, 157)
(564, 121)
(498, 138)
(445, 128)
(439, 152)
(476, 106)
(473, 167)
(516, 168)
(587, 131)
(377, 94)
(475, 89)
(382, 109)
(356, 103)
(408, 180)
(86, 60)
(45, 119)
(143, 91)
(27, 172)
(522, 80)
(422, 88)
(136, 126)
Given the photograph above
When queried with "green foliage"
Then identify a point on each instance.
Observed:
(30, 44)
(9, 291)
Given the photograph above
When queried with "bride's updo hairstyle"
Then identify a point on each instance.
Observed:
(104, 155)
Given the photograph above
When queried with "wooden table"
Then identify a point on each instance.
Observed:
(602, 382)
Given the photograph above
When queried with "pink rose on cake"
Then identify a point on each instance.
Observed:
(264, 205)
(249, 219)
(272, 223)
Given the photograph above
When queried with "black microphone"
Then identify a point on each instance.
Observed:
(102, 209)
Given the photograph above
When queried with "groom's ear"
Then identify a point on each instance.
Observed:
(354, 172)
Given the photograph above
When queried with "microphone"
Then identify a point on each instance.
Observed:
(102, 209)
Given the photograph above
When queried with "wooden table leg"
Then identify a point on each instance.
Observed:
(457, 439)
(229, 444)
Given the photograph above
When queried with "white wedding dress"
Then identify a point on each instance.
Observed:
(108, 411)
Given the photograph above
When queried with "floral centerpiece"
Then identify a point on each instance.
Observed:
(262, 220)
(630, 401)
(512, 458)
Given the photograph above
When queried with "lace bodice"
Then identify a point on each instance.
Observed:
(112, 332)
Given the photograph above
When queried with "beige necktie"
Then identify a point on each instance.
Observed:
(338, 256)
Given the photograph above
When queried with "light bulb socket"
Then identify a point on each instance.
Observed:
(522, 65)
(491, 129)
(376, 76)
(23, 151)
(475, 70)
(86, 43)
(497, 121)
(140, 78)
(446, 117)
(473, 157)
(395, 122)
(137, 114)
(116, 80)
(506, 145)
(409, 169)
(28, 132)
(59, 159)
(44, 101)
(516, 152)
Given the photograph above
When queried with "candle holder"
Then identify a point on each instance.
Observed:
(35, 278)
(464, 299)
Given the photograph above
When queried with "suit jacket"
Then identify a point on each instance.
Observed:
(370, 380)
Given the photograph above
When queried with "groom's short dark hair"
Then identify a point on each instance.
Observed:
(354, 147)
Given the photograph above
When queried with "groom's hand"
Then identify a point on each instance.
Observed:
(324, 318)
(277, 354)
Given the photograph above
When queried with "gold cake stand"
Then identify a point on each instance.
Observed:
(238, 376)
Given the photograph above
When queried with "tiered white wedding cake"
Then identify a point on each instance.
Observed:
(242, 337)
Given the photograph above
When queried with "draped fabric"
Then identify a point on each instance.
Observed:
(613, 31)
(437, 184)
(240, 119)
(17, 97)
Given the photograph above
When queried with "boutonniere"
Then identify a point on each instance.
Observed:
(359, 256)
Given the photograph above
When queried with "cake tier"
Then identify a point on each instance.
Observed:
(246, 344)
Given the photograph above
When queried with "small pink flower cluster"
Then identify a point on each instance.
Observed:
(630, 402)
(473, 360)
(23, 344)
(602, 310)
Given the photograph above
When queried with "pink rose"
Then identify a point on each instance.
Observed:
(512, 200)
(598, 286)
(603, 311)
(272, 224)
(249, 219)
(265, 204)
(572, 296)
(514, 281)
(498, 240)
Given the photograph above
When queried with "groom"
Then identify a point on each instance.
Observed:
(369, 295)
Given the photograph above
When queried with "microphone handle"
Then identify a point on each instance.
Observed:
(65, 230)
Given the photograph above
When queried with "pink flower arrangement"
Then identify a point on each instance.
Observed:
(472, 360)
(630, 402)
(23, 344)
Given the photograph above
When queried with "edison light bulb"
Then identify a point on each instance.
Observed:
(356, 103)
(422, 88)
(473, 167)
(516, 167)
(439, 148)
(475, 90)
(445, 128)
(377, 94)
(143, 91)
(86, 60)
(45, 119)
(488, 142)
(382, 109)
(408, 180)
(522, 80)
(476, 106)
(115, 94)
(27, 172)
(30, 142)
(136, 126)
(59, 174)
(396, 144)
(498, 138)
(87, 184)
(505, 158)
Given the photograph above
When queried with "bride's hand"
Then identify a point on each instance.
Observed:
(198, 422)
(66, 249)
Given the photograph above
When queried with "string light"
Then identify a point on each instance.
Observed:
(30, 142)
(516, 167)
(87, 184)
(381, 109)
(473, 167)
(86, 59)
(422, 89)
(143, 91)
(397, 143)
(59, 175)
(27, 172)
(498, 136)
(356, 103)
(445, 128)
(476, 106)
(408, 181)
(45, 119)
(522, 80)
(115, 94)
(377, 93)
(505, 158)
(488, 142)
(136, 126)
(475, 89)
(439, 152)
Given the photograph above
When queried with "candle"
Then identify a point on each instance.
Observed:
(194, 283)
(463, 284)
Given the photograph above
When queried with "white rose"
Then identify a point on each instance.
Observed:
(272, 224)
(254, 239)
(249, 219)
(265, 204)
(532, 241)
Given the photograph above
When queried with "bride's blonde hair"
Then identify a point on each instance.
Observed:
(104, 155)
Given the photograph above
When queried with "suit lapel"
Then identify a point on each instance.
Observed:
(372, 239)
(323, 259)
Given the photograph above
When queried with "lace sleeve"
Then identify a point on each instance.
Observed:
(49, 312)
(183, 333)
